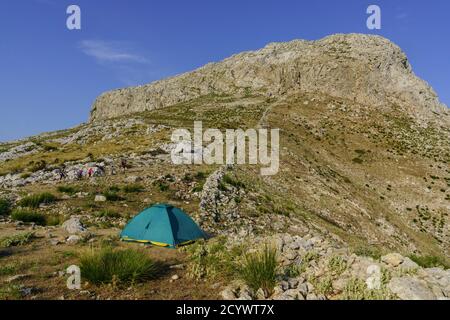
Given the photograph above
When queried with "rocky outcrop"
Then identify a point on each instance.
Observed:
(366, 69)
(319, 269)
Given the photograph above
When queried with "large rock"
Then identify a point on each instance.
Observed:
(409, 288)
(73, 226)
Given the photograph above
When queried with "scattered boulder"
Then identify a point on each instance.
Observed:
(73, 226)
(409, 288)
(100, 198)
(393, 259)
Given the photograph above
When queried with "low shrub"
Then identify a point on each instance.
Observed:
(17, 240)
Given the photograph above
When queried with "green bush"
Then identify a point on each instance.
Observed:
(112, 196)
(260, 269)
(108, 265)
(132, 188)
(5, 207)
(34, 201)
(17, 240)
(28, 216)
(430, 261)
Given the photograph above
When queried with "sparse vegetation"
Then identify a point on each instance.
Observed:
(133, 188)
(20, 239)
(368, 251)
(70, 190)
(430, 261)
(356, 289)
(107, 214)
(212, 259)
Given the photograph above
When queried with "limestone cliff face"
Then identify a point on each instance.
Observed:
(366, 69)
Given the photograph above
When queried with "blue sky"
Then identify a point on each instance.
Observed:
(49, 75)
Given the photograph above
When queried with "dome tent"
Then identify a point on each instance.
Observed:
(162, 225)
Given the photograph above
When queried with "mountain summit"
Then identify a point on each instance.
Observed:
(366, 69)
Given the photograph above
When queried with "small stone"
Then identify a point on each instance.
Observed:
(73, 239)
(293, 283)
(228, 294)
(100, 198)
(303, 289)
(175, 277)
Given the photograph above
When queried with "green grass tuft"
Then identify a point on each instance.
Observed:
(35, 200)
(108, 265)
(28, 217)
(260, 270)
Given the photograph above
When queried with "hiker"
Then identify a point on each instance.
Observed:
(80, 174)
(90, 172)
(62, 173)
(123, 165)
(99, 171)
(113, 170)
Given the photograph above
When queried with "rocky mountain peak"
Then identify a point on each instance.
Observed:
(365, 69)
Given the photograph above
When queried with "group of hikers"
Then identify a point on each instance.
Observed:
(90, 172)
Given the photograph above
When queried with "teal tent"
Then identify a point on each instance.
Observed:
(162, 225)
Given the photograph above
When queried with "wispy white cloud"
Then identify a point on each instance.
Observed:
(110, 51)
